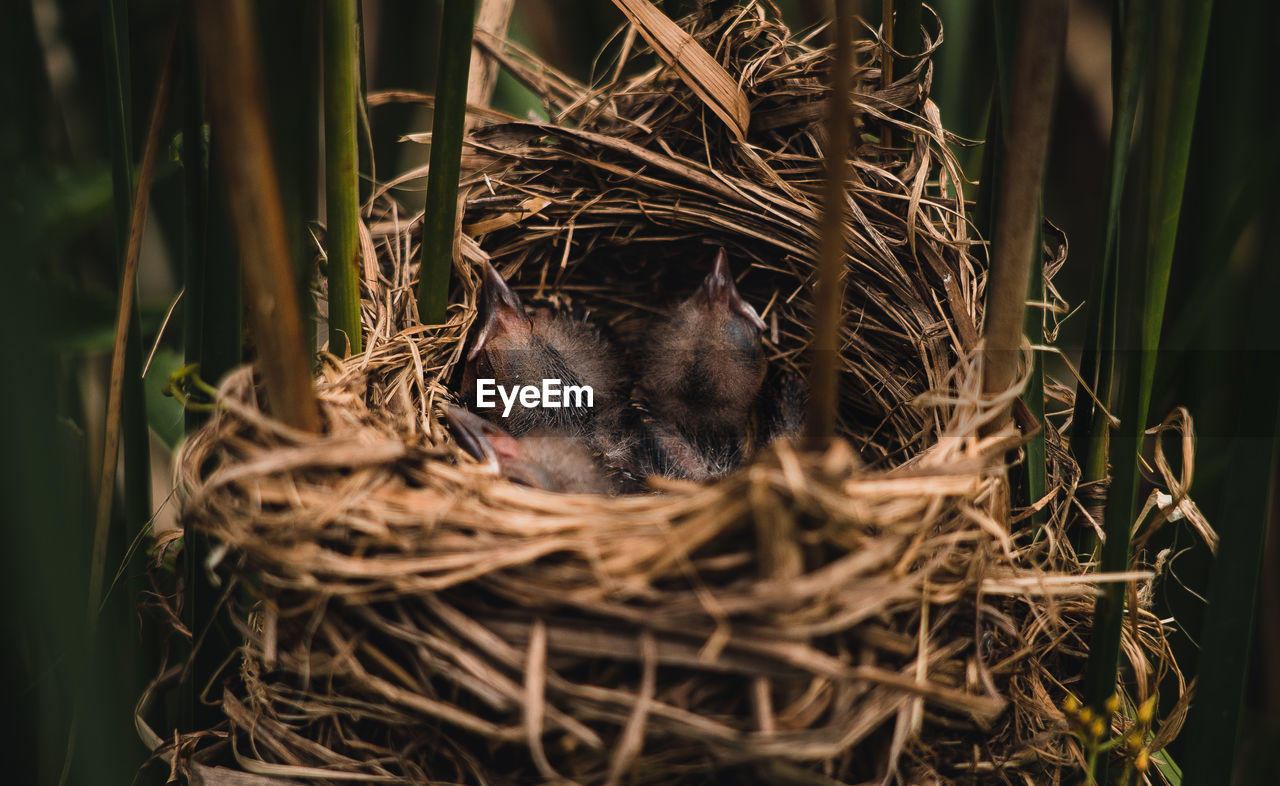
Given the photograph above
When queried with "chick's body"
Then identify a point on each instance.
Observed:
(701, 373)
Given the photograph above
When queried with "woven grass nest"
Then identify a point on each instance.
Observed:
(868, 611)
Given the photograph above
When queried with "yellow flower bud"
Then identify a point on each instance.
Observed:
(1133, 741)
(1086, 715)
(1113, 703)
(1141, 762)
(1096, 728)
(1070, 705)
(1147, 711)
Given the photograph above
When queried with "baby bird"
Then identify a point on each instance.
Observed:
(701, 374)
(541, 459)
(515, 349)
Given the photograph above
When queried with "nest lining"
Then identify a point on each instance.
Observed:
(817, 617)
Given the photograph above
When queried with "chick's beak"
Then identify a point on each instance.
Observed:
(487, 443)
(470, 431)
(500, 311)
(719, 292)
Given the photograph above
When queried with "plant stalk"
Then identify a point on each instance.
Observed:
(342, 197)
(240, 132)
(1041, 42)
(1091, 424)
(824, 384)
(445, 166)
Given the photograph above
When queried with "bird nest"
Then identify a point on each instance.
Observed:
(819, 616)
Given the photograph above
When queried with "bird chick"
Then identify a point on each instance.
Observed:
(701, 374)
(541, 459)
(516, 349)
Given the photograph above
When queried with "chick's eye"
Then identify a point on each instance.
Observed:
(484, 365)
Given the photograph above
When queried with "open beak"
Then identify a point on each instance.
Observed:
(500, 310)
(719, 291)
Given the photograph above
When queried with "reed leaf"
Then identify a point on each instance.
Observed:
(126, 312)
(445, 165)
(212, 331)
(1091, 424)
(1213, 726)
(211, 302)
(1004, 24)
(195, 198)
(135, 435)
(342, 198)
(1035, 466)
(1182, 31)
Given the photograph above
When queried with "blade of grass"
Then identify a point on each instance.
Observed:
(212, 336)
(1090, 424)
(1213, 725)
(446, 161)
(127, 309)
(135, 435)
(1004, 24)
(195, 182)
(1178, 59)
(1167, 767)
(1041, 42)
(119, 125)
(212, 302)
(342, 195)
(235, 97)
(824, 383)
(1035, 466)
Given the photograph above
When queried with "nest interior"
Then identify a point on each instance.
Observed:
(833, 616)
